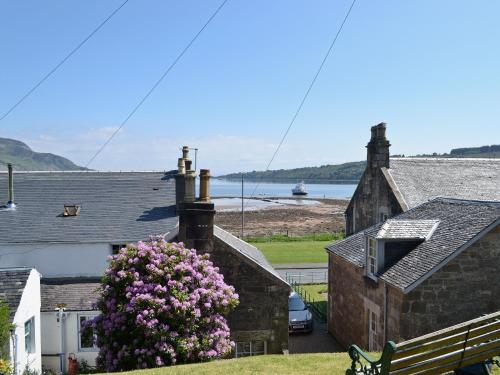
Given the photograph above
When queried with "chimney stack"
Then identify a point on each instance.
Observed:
(10, 202)
(196, 217)
(378, 147)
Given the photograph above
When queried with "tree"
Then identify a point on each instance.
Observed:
(5, 327)
(161, 304)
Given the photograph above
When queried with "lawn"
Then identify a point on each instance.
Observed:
(294, 252)
(316, 291)
(313, 364)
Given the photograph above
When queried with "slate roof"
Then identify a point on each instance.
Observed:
(422, 179)
(460, 221)
(115, 207)
(406, 229)
(77, 294)
(248, 251)
(12, 283)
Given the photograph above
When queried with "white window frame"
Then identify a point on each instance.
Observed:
(252, 352)
(373, 320)
(87, 316)
(29, 336)
(371, 258)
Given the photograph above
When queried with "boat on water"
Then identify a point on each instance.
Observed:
(299, 189)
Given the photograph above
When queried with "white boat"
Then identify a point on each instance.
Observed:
(299, 189)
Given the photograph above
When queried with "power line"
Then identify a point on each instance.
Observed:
(54, 69)
(299, 108)
(170, 67)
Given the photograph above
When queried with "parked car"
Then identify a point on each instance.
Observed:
(300, 318)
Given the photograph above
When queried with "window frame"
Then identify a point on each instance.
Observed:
(252, 352)
(373, 320)
(371, 259)
(87, 316)
(30, 336)
(119, 246)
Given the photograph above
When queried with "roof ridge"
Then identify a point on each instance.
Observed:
(411, 158)
(461, 201)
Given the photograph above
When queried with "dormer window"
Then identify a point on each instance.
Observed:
(371, 258)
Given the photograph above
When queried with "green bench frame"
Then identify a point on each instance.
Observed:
(475, 341)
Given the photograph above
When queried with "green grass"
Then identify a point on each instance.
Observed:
(303, 364)
(284, 238)
(295, 364)
(294, 252)
(316, 291)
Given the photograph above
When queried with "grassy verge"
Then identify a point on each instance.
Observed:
(284, 238)
(303, 364)
(294, 252)
(316, 291)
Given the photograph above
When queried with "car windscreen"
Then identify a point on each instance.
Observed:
(296, 304)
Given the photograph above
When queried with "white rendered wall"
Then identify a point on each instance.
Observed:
(51, 340)
(29, 307)
(58, 260)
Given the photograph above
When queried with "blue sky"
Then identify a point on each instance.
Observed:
(430, 69)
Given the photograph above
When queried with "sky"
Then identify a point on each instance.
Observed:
(429, 69)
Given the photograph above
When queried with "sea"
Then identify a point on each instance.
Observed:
(228, 188)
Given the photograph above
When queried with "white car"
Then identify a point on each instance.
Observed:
(300, 318)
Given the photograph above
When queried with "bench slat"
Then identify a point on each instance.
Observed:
(456, 329)
(408, 361)
(449, 331)
(443, 346)
(453, 358)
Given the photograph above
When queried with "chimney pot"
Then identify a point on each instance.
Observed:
(188, 164)
(185, 152)
(10, 202)
(190, 179)
(204, 185)
(181, 166)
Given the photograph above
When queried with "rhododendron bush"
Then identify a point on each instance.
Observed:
(161, 304)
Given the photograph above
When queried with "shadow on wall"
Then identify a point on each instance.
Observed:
(157, 213)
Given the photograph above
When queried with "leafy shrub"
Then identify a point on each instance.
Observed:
(161, 304)
(5, 327)
(5, 367)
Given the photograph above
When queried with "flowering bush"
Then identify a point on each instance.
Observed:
(161, 304)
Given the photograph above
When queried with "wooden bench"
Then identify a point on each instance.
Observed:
(475, 341)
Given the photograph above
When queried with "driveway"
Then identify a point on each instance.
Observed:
(319, 341)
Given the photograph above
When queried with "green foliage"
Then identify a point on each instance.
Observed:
(285, 238)
(347, 172)
(5, 327)
(294, 252)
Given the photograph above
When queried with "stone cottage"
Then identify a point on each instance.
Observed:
(390, 186)
(432, 266)
(66, 224)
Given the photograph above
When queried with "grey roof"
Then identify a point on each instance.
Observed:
(248, 251)
(460, 221)
(422, 179)
(407, 229)
(115, 207)
(12, 283)
(76, 294)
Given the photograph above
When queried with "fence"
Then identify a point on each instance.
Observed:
(319, 308)
(306, 277)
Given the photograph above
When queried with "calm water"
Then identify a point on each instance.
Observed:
(225, 188)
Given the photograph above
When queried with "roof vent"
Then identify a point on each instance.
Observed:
(71, 210)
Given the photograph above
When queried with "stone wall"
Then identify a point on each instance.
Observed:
(263, 310)
(352, 296)
(465, 288)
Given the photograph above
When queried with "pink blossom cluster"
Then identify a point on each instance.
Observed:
(161, 304)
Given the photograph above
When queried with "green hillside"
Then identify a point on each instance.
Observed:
(25, 159)
(352, 171)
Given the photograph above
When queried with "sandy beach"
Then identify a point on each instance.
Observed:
(327, 215)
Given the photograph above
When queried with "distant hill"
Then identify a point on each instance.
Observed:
(351, 172)
(25, 159)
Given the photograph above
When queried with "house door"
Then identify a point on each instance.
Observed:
(372, 331)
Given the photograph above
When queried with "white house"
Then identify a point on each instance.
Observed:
(65, 224)
(20, 290)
